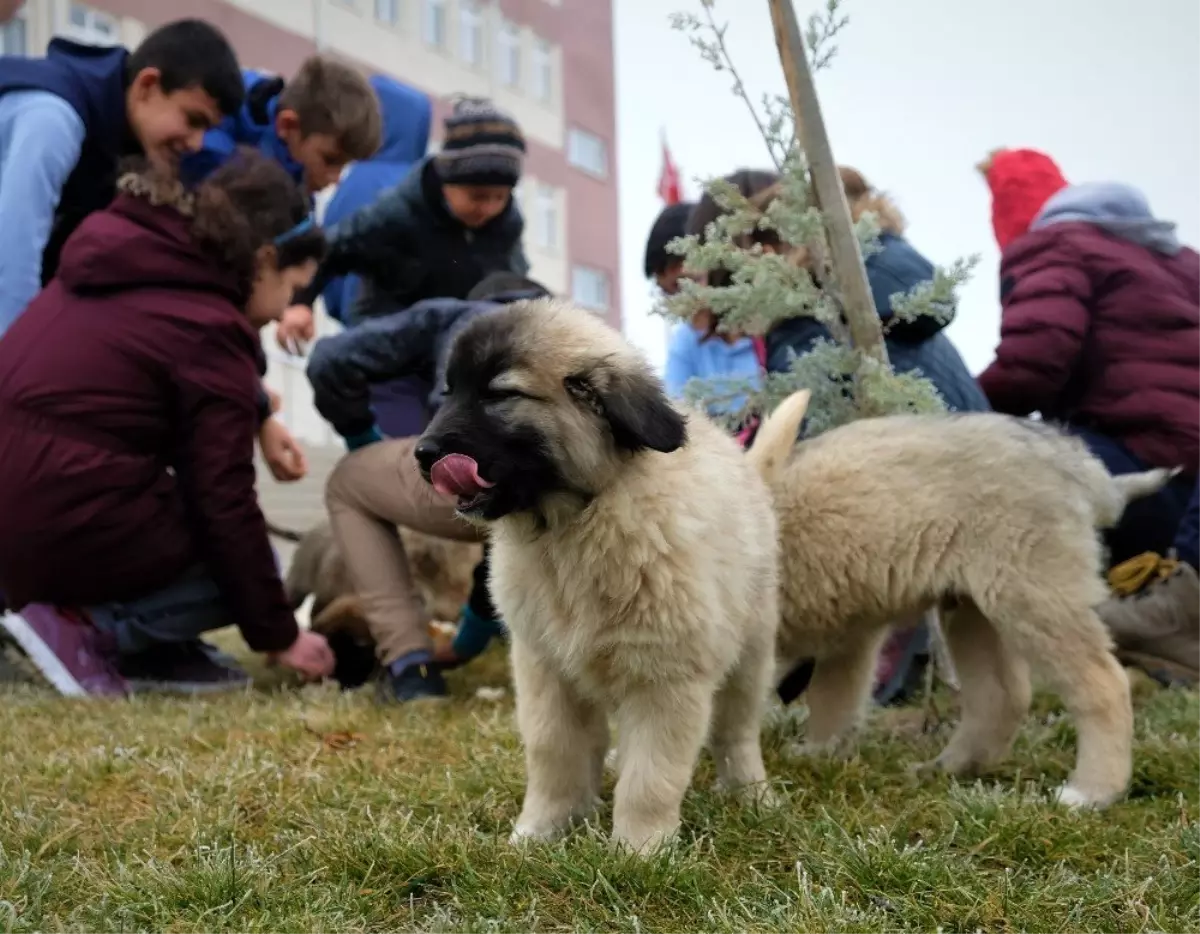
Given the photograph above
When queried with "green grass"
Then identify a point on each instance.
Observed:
(281, 809)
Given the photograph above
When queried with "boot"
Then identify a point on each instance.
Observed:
(1157, 627)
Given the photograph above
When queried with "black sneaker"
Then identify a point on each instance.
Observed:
(190, 668)
(416, 682)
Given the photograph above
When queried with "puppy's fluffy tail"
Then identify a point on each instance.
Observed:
(1128, 487)
(777, 435)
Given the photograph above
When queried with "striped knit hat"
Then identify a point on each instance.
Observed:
(481, 146)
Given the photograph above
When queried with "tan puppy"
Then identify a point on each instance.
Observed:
(992, 518)
(634, 563)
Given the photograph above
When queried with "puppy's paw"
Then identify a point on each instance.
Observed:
(528, 832)
(805, 751)
(643, 842)
(611, 765)
(1077, 799)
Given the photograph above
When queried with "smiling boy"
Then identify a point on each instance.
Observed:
(314, 124)
(68, 119)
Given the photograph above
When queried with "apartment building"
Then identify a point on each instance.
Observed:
(548, 62)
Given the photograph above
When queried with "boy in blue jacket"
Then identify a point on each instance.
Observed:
(68, 119)
(314, 125)
(378, 486)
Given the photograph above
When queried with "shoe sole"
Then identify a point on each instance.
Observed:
(42, 656)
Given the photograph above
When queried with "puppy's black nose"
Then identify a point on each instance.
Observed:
(427, 452)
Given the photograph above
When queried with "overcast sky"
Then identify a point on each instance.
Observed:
(920, 91)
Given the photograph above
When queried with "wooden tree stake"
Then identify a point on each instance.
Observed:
(844, 253)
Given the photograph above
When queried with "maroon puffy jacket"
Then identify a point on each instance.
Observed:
(127, 428)
(1102, 333)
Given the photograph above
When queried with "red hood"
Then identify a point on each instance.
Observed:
(1022, 181)
(134, 244)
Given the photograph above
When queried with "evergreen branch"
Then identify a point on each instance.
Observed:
(821, 32)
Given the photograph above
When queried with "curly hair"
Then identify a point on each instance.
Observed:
(252, 202)
(248, 203)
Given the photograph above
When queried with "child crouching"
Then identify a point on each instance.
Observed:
(127, 426)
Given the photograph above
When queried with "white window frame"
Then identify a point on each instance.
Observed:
(545, 212)
(541, 77)
(508, 53)
(592, 277)
(97, 28)
(435, 23)
(471, 30)
(587, 152)
(17, 26)
(389, 12)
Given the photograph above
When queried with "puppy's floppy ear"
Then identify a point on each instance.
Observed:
(634, 405)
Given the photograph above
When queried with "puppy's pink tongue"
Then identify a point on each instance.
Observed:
(458, 475)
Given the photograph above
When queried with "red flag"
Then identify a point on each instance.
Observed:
(670, 188)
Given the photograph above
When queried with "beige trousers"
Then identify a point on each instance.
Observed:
(369, 493)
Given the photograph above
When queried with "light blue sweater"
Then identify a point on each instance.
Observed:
(689, 356)
(41, 137)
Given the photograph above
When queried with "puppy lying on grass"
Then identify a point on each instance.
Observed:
(993, 520)
(634, 562)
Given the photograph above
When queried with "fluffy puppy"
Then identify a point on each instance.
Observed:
(634, 563)
(991, 519)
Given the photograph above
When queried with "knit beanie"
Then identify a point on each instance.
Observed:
(481, 146)
(1022, 181)
(671, 223)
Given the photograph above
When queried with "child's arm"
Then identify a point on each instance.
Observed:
(45, 137)
(518, 263)
(365, 240)
(343, 368)
(214, 464)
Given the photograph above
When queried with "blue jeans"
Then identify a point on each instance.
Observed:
(180, 612)
(1150, 523)
(1187, 538)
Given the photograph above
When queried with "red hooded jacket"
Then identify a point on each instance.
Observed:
(127, 424)
(1101, 323)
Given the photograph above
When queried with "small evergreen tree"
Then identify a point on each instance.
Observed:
(848, 379)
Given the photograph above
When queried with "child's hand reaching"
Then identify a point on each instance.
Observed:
(295, 329)
(282, 452)
(310, 656)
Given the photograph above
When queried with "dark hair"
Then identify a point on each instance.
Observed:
(501, 283)
(251, 202)
(671, 223)
(334, 99)
(748, 182)
(192, 53)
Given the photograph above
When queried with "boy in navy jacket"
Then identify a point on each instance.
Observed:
(314, 125)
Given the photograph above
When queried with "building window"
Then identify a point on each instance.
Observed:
(543, 71)
(91, 26)
(13, 39)
(470, 32)
(508, 54)
(587, 151)
(387, 11)
(546, 216)
(435, 23)
(589, 288)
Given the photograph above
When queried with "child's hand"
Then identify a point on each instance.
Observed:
(310, 656)
(282, 452)
(295, 329)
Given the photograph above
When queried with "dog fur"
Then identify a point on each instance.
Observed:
(634, 562)
(991, 519)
